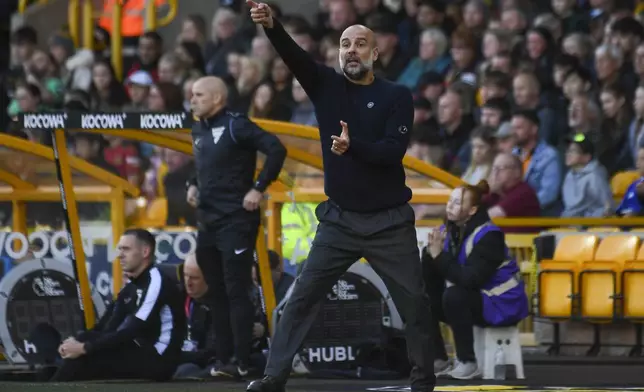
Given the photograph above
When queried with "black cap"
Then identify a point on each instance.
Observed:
(422, 103)
(584, 143)
(382, 23)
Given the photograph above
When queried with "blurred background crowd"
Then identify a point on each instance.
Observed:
(555, 83)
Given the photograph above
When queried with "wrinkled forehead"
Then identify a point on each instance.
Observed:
(356, 33)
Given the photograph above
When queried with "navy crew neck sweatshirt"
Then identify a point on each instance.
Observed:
(370, 176)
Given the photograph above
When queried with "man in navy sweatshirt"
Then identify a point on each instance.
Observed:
(364, 126)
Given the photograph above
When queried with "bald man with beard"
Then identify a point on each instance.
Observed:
(227, 197)
(364, 124)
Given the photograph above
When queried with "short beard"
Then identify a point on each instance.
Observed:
(356, 75)
(360, 73)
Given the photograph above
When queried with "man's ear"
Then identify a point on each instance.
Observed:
(148, 252)
(376, 53)
(217, 98)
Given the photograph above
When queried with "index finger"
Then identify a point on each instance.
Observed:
(252, 4)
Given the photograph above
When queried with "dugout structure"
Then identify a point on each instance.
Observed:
(301, 179)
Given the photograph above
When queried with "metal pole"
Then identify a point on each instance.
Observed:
(68, 201)
(117, 39)
(88, 24)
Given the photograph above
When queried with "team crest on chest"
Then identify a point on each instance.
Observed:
(216, 133)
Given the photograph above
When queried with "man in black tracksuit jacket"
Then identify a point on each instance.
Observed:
(140, 335)
(227, 198)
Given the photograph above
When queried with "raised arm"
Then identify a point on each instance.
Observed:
(306, 70)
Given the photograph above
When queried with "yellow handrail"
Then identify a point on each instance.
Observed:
(151, 20)
(117, 40)
(24, 4)
(88, 25)
(172, 13)
(73, 14)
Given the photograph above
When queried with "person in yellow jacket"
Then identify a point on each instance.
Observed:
(298, 230)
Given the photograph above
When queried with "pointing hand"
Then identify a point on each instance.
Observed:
(341, 143)
(261, 14)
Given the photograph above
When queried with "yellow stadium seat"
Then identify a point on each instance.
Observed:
(621, 181)
(604, 229)
(557, 279)
(633, 287)
(599, 279)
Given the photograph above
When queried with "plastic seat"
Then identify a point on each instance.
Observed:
(599, 279)
(487, 341)
(621, 181)
(633, 287)
(557, 279)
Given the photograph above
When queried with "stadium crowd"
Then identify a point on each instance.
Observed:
(556, 83)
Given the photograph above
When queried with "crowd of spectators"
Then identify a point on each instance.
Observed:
(536, 93)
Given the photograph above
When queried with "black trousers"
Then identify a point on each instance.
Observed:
(127, 361)
(387, 239)
(460, 308)
(225, 254)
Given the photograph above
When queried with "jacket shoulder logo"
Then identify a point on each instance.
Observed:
(216, 133)
(139, 296)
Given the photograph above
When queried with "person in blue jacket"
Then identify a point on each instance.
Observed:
(470, 278)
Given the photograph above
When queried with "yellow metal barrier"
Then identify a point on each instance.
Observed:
(152, 22)
(73, 16)
(24, 4)
(67, 196)
(117, 41)
(88, 24)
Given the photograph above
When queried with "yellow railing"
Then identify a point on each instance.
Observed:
(24, 4)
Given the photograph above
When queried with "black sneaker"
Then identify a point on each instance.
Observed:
(267, 384)
(231, 370)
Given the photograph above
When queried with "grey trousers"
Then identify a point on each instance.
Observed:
(387, 239)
